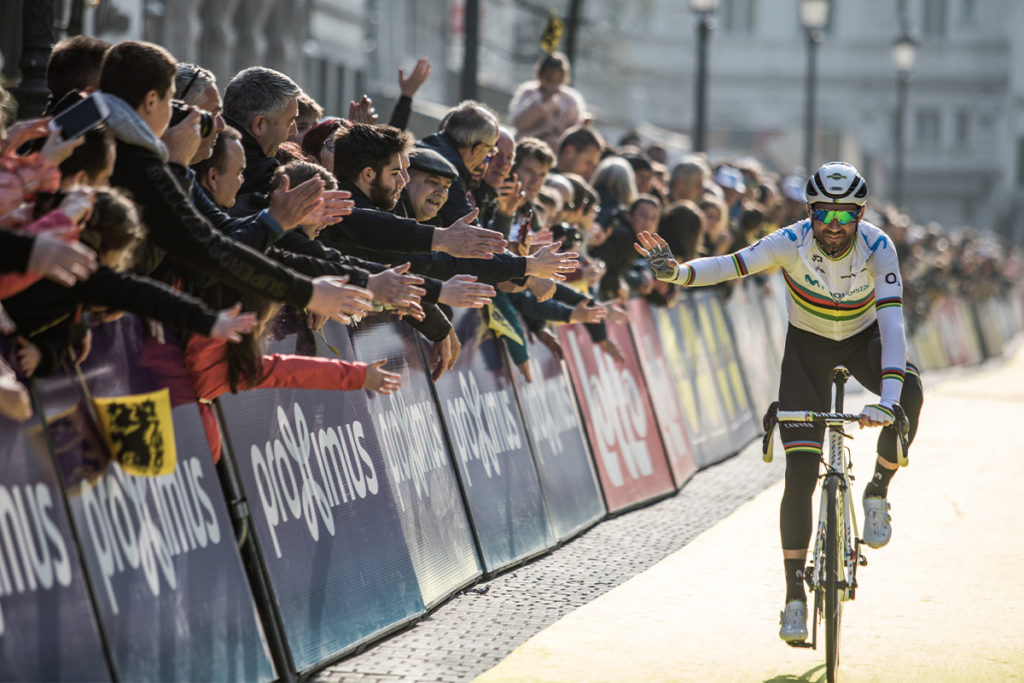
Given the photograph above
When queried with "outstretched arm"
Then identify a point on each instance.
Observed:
(709, 270)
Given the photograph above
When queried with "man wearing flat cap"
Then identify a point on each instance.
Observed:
(430, 178)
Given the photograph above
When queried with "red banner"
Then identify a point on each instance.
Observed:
(660, 385)
(624, 437)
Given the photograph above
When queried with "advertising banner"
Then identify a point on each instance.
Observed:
(683, 378)
(624, 439)
(775, 314)
(323, 509)
(714, 412)
(498, 476)
(755, 350)
(48, 629)
(661, 388)
(417, 460)
(160, 552)
(729, 377)
(560, 449)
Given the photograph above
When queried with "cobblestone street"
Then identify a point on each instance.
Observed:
(474, 631)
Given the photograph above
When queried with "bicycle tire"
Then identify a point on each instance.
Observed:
(833, 572)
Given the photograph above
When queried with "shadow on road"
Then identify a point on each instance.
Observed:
(816, 674)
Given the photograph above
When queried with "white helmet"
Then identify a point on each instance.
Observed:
(837, 182)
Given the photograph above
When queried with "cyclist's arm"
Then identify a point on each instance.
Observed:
(767, 252)
(885, 269)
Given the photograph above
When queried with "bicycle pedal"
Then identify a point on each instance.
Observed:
(798, 643)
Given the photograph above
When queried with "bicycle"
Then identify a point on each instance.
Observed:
(832, 574)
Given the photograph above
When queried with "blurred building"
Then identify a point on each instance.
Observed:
(635, 64)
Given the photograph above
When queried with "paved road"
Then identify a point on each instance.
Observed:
(943, 602)
(473, 632)
(690, 588)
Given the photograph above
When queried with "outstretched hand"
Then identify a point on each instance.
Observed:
(231, 324)
(380, 380)
(659, 257)
(408, 85)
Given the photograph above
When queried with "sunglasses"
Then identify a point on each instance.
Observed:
(826, 216)
(197, 71)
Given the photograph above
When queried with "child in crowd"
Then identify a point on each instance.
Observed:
(216, 368)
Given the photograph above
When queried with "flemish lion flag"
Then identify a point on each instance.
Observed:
(552, 33)
(139, 431)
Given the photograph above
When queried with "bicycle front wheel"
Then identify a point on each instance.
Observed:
(833, 578)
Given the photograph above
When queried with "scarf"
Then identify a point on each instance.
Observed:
(128, 127)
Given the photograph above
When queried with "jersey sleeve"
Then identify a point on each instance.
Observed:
(767, 252)
(885, 269)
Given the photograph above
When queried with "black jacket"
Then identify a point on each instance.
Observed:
(458, 204)
(428, 263)
(46, 303)
(188, 239)
(368, 231)
(14, 252)
(262, 232)
(370, 228)
(253, 195)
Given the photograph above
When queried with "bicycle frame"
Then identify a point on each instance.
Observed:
(838, 469)
(832, 574)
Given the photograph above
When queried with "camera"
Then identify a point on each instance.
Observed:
(179, 110)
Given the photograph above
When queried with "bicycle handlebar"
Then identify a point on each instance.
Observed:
(809, 418)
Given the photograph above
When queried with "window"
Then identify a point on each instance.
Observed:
(736, 16)
(927, 128)
(963, 128)
(933, 21)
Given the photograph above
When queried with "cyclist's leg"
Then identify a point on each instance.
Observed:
(865, 364)
(804, 385)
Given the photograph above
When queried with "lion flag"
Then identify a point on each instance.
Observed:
(139, 432)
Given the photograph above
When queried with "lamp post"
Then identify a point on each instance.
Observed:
(703, 9)
(814, 18)
(904, 51)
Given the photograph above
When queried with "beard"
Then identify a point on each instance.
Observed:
(383, 197)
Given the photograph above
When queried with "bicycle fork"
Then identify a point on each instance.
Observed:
(837, 474)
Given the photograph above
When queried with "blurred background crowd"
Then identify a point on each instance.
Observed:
(419, 157)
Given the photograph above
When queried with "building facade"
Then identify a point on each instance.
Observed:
(635, 64)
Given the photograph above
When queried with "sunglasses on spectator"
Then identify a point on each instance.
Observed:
(826, 216)
(329, 145)
(196, 72)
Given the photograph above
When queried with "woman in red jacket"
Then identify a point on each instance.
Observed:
(217, 367)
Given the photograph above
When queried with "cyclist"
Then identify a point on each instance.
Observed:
(845, 308)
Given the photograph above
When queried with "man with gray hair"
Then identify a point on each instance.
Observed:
(467, 138)
(263, 105)
(197, 87)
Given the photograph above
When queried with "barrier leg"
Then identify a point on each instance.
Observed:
(37, 408)
(252, 560)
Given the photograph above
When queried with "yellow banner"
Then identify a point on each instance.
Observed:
(139, 431)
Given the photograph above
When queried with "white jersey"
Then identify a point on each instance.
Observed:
(833, 297)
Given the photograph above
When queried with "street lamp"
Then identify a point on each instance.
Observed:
(814, 18)
(904, 51)
(703, 9)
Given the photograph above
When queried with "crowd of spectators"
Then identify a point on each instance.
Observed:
(211, 208)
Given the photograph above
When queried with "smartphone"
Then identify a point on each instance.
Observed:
(80, 118)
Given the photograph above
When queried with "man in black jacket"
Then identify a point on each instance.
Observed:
(138, 78)
(467, 139)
